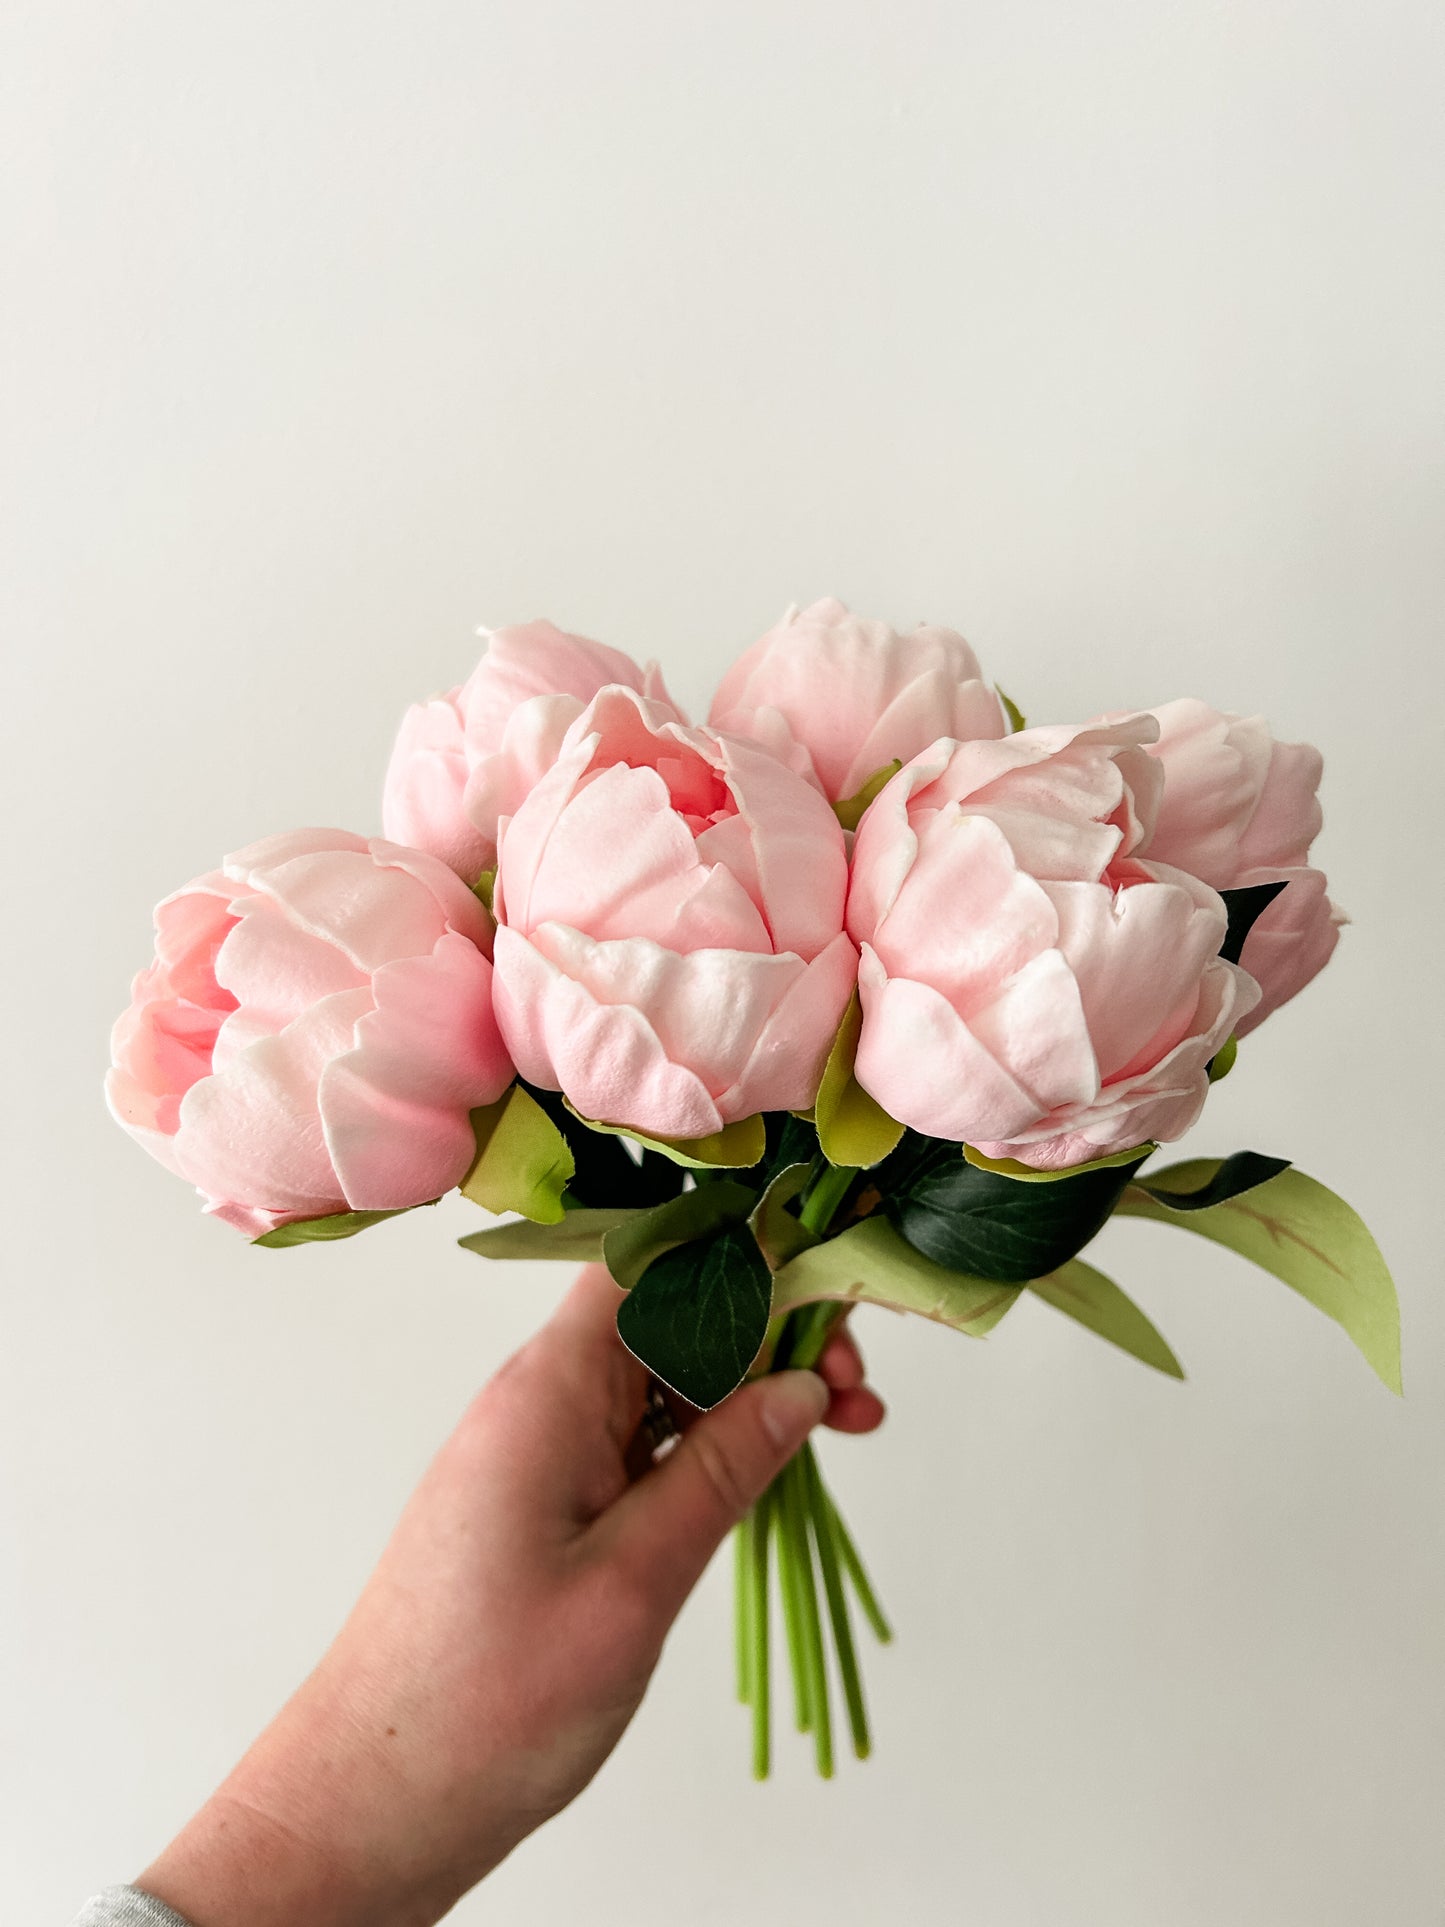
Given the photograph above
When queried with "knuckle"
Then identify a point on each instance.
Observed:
(720, 1472)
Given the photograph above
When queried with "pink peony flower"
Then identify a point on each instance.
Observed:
(314, 1030)
(1240, 808)
(838, 697)
(670, 947)
(465, 760)
(1030, 986)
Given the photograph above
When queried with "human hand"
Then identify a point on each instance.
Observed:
(504, 1641)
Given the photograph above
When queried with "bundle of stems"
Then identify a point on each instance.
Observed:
(795, 1528)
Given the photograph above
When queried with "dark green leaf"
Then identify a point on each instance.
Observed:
(698, 1315)
(991, 1225)
(311, 1231)
(1237, 1174)
(1245, 905)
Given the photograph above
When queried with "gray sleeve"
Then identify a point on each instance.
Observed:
(127, 1907)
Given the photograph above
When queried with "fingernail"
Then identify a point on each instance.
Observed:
(793, 1403)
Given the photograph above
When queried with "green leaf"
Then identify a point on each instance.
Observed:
(1302, 1233)
(1016, 717)
(780, 1234)
(870, 1264)
(523, 1161)
(735, 1147)
(850, 811)
(1026, 1174)
(1237, 1174)
(645, 1235)
(698, 1315)
(484, 888)
(339, 1224)
(853, 1128)
(576, 1238)
(1097, 1302)
(1244, 906)
(989, 1223)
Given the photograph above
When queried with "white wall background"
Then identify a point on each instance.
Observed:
(1110, 333)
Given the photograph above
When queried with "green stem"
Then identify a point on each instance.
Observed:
(789, 1584)
(825, 1194)
(837, 1603)
(812, 1627)
(853, 1566)
(741, 1593)
(757, 1522)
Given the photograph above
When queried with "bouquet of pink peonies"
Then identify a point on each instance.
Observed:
(862, 992)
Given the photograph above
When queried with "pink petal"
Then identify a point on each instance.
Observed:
(605, 1057)
(926, 1068)
(395, 1108)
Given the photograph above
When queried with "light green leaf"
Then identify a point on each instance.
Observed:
(485, 888)
(575, 1238)
(630, 1247)
(339, 1224)
(850, 811)
(1025, 1173)
(736, 1147)
(780, 1235)
(853, 1128)
(523, 1161)
(1017, 719)
(870, 1264)
(1097, 1302)
(1302, 1233)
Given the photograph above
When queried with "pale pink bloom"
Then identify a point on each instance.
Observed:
(1030, 986)
(465, 760)
(839, 697)
(670, 949)
(314, 1030)
(1240, 808)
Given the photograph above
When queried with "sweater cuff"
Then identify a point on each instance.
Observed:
(127, 1907)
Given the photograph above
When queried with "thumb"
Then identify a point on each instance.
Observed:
(674, 1519)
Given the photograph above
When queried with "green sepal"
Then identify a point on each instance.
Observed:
(735, 1147)
(1026, 1174)
(1244, 907)
(698, 1315)
(1016, 717)
(337, 1224)
(1222, 1062)
(484, 889)
(850, 811)
(1086, 1295)
(1302, 1233)
(631, 1246)
(523, 1161)
(1242, 1172)
(575, 1239)
(870, 1264)
(853, 1128)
